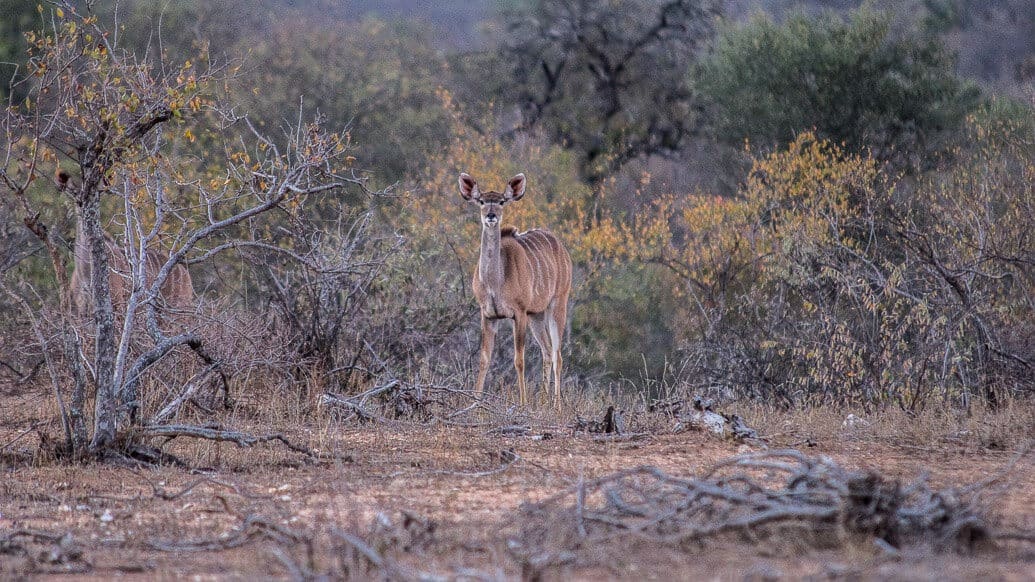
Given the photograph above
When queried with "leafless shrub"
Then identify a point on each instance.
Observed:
(254, 362)
(320, 275)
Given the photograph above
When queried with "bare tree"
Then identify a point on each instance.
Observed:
(177, 292)
(110, 121)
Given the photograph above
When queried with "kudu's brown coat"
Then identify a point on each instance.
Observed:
(525, 277)
(177, 293)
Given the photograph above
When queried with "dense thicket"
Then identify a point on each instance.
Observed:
(870, 243)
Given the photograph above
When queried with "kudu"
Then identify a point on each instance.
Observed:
(525, 277)
(176, 294)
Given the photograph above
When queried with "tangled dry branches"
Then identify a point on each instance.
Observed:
(783, 499)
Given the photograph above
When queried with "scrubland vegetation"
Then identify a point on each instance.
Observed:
(818, 220)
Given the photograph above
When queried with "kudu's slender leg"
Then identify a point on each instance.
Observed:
(520, 328)
(555, 324)
(485, 358)
(540, 331)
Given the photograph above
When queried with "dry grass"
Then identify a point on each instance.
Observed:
(399, 497)
(979, 428)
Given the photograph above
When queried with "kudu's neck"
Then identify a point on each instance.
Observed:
(490, 266)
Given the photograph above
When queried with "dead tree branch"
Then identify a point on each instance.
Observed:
(254, 528)
(779, 497)
(241, 439)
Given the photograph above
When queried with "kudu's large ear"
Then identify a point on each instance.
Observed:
(468, 187)
(515, 188)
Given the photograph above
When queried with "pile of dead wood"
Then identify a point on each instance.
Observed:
(783, 499)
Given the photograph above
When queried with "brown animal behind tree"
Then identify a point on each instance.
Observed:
(525, 277)
(175, 296)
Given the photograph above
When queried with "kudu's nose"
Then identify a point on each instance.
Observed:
(490, 216)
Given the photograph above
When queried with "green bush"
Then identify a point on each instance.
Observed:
(858, 81)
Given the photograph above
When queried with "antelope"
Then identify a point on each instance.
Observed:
(177, 292)
(525, 277)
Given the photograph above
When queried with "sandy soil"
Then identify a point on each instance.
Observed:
(436, 499)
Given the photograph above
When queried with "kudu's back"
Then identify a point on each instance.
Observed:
(537, 269)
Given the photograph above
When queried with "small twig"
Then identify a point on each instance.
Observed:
(580, 507)
(34, 426)
(160, 492)
(290, 564)
(514, 458)
(369, 553)
(510, 430)
(23, 378)
(1021, 536)
(620, 438)
(36, 535)
(1023, 452)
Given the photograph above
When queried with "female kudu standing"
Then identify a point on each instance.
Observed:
(525, 277)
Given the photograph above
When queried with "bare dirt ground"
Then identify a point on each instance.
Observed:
(446, 501)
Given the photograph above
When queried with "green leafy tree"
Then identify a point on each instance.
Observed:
(858, 80)
(16, 16)
(378, 78)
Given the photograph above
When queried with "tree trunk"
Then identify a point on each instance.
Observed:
(105, 407)
(77, 408)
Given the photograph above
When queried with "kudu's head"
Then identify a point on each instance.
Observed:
(492, 202)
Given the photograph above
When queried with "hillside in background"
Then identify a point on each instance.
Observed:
(994, 41)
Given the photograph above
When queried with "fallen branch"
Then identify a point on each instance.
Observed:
(253, 528)
(193, 385)
(391, 385)
(241, 439)
(332, 400)
(356, 405)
